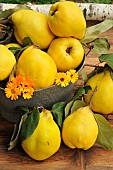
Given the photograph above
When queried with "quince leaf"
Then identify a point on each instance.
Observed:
(68, 108)
(93, 32)
(58, 110)
(17, 127)
(105, 135)
(8, 12)
(80, 91)
(108, 58)
(30, 124)
(27, 41)
(76, 105)
(101, 45)
(84, 74)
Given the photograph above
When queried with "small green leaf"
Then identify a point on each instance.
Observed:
(68, 108)
(30, 124)
(101, 45)
(84, 74)
(108, 58)
(5, 14)
(87, 88)
(105, 135)
(78, 93)
(58, 110)
(93, 32)
(77, 104)
(27, 41)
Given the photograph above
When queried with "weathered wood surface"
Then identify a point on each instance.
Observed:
(95, 158)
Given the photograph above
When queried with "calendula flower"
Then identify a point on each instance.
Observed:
(12, 91)
(27, 93)
(73, 75)
(62, 79)
(18, 86)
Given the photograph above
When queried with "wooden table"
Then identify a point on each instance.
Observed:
(95, 158)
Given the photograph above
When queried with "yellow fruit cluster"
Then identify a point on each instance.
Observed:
(55, 43)
(79, 130)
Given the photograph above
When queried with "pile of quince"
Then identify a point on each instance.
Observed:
(52, 43)
(55, 44)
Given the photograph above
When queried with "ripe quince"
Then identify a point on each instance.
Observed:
(66, 19)
(67, 53)
(7, 62)
(38, 66)
(45, 140)
(101, 99)
(32, 24)
(80, 129)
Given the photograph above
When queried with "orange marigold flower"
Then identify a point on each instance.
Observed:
(19, 86)
(73, 75)
(62, 79)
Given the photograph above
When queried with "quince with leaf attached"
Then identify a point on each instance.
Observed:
(45, 140)
(32, 24)
(80, 129)
(101, 95)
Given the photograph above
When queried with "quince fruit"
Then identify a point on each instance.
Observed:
(45, 140)
(101, 99)
(38, 66)
(80, 129)
(7, 62)
(67, 53)
(66, 19)
(32, 24)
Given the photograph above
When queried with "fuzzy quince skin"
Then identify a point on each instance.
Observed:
(32, 24)
(66, 19)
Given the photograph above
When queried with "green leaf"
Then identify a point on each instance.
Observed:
(108, 58)
(84, 74)
(101, 45)
(87, 88)
(58, 110)
(80, 91)
(6, 13)
(105, 135)
(77, 104)
(27, 41)
(68, 108)
(93, 32)
(30, 124)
